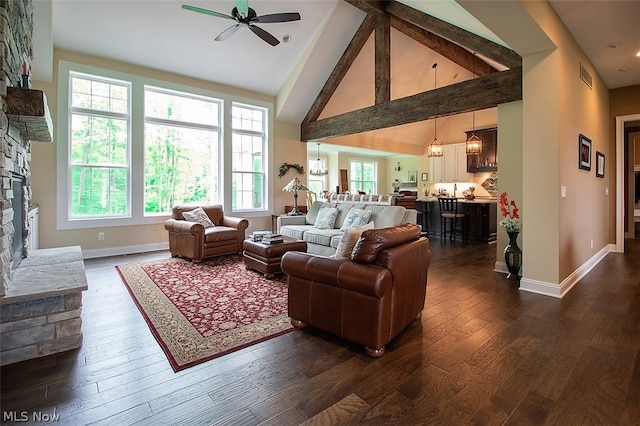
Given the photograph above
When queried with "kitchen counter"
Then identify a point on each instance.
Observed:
(463, 200)
(481, 217)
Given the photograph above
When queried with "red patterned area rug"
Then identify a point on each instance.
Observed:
(201, 311)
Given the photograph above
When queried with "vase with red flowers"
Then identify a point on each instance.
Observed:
(511, 222)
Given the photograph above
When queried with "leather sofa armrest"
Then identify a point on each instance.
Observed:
(235, 222)
(184, 227)
(367, 279)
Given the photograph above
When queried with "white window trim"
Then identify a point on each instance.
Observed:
(138, 83)
(266, 154)
(372, 161)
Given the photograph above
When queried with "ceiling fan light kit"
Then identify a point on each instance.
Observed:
(247, 17)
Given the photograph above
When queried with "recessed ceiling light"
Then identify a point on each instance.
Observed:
(614, 45)
(286, 38)
(638, 53)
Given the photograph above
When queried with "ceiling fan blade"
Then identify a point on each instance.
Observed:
(227, 33)
(205, 11)
(264, 35)
(278, 17)
(243, 7)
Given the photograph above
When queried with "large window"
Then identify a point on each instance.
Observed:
(181, 149)
(99, 121)
(131, 147)
(248, 149)
(363, 176)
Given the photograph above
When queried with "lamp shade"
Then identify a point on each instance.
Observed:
(295, 185)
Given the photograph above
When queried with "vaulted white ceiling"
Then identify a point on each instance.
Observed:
(159, 34)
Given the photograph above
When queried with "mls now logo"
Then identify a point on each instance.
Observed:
(36, 416)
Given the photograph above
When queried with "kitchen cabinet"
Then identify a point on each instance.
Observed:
(481, 218)
(487, 160)
(436, 165)
(455, 163)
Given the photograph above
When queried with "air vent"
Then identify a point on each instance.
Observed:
(585, 76)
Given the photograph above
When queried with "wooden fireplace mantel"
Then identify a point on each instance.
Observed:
(27, 110)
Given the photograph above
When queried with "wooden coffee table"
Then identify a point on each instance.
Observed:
(266, 258)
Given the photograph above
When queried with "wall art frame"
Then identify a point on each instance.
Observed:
(584, 153)
(600, 160)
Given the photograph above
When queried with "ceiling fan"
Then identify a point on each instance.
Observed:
(246, 16)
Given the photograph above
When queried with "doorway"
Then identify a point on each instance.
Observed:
(620, 163)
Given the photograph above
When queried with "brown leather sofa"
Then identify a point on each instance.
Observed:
(369, 299)
(193, 241)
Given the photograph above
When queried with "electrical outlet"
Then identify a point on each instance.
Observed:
(100, 236)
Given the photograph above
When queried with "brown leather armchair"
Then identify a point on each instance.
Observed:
(369, 299)
(193, 241)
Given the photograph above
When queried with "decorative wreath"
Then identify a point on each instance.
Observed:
(284, 168)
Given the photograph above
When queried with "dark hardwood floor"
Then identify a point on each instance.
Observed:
(483, 353)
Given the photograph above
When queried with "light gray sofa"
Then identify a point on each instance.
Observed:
(325, 241)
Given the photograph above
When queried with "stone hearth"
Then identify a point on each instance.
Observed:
(40, 313)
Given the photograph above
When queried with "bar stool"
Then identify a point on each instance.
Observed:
(451, 217)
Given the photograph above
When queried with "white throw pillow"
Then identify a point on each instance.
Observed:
(349, 240)
(199, 216)
(326, 218)
(356, 217)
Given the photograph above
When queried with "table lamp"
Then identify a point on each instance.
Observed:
(294, 186)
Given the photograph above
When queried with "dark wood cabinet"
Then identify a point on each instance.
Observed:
(481, 219)
(487, 160)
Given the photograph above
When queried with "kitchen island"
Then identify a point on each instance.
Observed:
(481, 217)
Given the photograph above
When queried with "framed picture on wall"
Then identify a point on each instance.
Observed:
(584, 153)
(413, 176)
(599, 164)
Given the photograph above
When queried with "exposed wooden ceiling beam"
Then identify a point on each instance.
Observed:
(444, 47)
(373, 7)
(482, 46)
(479, 93)
(346, 60)
(383, 60)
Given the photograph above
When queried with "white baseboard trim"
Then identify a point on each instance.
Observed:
(559, 290)
(500, 267)
(118, 251)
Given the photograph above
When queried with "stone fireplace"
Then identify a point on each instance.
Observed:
(41, 292)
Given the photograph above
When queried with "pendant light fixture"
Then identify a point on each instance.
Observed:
(474, 143)
(435, 147)
(318, 168)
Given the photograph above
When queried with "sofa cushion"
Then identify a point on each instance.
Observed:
(356, 217)
(373, 241)
(326, 217)
(198, 215)
(294, 231)
(343, 211)
(349, 240)
(320, 236)
(214, 234)
(387, 216)
(312, 214)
